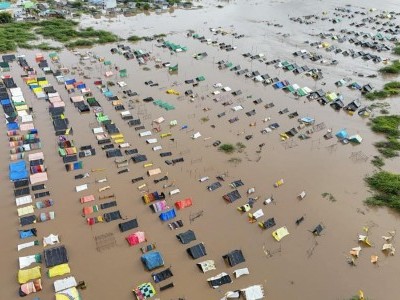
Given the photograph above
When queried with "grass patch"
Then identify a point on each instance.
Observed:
(396, 49)
(377, 161)
(389, 126)
(393, 68)
(390, 89)
(134, 38)
(205, 119)
(22, 35)
(386, 188)
(227, 148)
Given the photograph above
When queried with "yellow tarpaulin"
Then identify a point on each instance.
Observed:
(280, 233)
(29, 274)
(71, 293)
(172, 92)
(59, 270)
(25, 210)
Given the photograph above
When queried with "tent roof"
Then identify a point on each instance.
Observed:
(186, 237)
(197, 251)
(234, 257)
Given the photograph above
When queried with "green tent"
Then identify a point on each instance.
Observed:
(173, 68)
(29, 4)
(123, 73)
(107, 63)
(201, 78)
(4, 66)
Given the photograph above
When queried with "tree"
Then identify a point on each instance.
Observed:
(5, 17)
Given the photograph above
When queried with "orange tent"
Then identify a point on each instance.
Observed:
(183, 203)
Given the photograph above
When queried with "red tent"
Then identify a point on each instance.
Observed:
(183, 203)
(136, 238)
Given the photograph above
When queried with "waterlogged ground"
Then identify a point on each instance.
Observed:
(301, 266)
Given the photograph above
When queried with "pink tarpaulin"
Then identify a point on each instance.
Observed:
(58, 104)
(26, 126)
(35, 156)
(88, 198)
(77, 99)
(38, 177)
(136, 238)
(55, 99)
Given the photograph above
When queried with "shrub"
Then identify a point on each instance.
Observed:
(227, 148)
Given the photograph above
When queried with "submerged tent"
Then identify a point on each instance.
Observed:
(183, 203)
(280, 233)
(18, 171)
(207, 265)
(186, 237)
(167, 215)
(29, 274)
(234, 257)
(136, 238)
(197, 251)
(152, 260)
(160, 276)
(144, 291)
(218, 280)
(58, 270)
(30, 287)
(55, 256)
(71, 293)
(131, 224)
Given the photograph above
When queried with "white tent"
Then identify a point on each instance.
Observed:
(82, 187)
(196, 135)
(207, 265)
(27, 245)
(50, 240)
(65, 283)
(23, 200)
(254, 292)
(237, 108)
(241, 272)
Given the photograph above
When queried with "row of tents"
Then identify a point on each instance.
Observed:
(30, 177)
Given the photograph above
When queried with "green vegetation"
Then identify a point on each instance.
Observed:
(386, 188)
(378, 162)
(396, 49)
(389, 90)
(205, 119)
(5, 18)
(227, 148)
(389, 126)
(14, 35)
(394, 68)
(134, 38)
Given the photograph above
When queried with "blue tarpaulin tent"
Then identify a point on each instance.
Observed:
(69, 81)
(12, 126)
(17, 170)
(152, 260)
(342, 134)
(168, 215)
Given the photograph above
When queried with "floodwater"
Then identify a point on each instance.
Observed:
(301, 266)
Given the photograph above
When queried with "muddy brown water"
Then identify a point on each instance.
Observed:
(302, 266)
